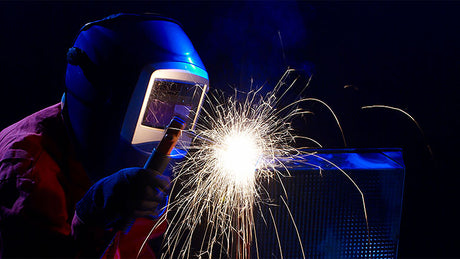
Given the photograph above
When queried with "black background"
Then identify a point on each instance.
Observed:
(403, 54)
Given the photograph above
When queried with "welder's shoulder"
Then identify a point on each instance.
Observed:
(22, 146)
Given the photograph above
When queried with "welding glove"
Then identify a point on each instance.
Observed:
(115, 201)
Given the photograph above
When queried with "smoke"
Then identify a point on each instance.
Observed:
(252, 43)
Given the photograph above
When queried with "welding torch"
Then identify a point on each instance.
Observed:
(160, 157)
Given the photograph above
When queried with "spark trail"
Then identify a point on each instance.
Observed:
(239, 143)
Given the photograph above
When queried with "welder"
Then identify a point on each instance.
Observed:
(72, 182)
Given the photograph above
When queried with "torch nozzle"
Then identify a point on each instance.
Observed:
(159, 158)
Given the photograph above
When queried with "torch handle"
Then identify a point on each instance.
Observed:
(159, 159)
(160, 156)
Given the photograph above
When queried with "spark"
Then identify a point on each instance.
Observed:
(240, 141)
(428, 147)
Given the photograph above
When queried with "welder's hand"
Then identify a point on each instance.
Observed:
(116, 200)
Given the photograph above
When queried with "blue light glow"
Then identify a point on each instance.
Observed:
(178, 153)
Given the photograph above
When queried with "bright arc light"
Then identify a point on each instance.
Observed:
(237, 157)
(241, 142)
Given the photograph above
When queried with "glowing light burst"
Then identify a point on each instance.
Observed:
(237, 158)
(238, 142)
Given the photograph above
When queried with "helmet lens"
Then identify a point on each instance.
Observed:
(170, 98)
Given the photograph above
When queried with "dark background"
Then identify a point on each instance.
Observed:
(403, 54)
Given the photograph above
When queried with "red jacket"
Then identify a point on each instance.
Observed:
(40, 182)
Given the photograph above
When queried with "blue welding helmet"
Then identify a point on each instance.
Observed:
(127, 76)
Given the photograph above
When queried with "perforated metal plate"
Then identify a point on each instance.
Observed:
(328, 209)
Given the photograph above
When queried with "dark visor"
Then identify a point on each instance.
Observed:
(170, 98)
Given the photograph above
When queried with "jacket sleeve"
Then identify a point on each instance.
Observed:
(35, 214)
(91, 241)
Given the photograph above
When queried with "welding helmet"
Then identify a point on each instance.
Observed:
(127, 76)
